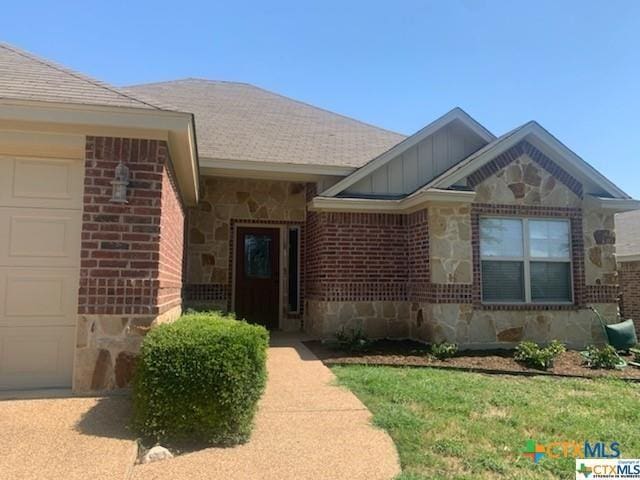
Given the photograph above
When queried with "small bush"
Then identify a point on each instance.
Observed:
(352, 340)
(443, 350)
(605, 357)
(535, 356)
(198, 380)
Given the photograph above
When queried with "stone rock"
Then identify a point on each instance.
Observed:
(604, 237)
(242, 196)
(595, 256)
(364, 309)
(125, 368)
(222, 212)
(388, 310)
(532, 198)
(510, 335)
(222, 233)
(462, 273)
(204, 206)
(513, 173)
(532, 176)
(208, 259)
(518, 189)
(102, 372)
(156, 454)
(548, 185)
(112, 326)
(196, 236)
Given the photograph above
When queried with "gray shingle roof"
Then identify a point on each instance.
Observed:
(628, 233)
(24, 76)
(237, 121)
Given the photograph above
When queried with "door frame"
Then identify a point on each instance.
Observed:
(282, 228)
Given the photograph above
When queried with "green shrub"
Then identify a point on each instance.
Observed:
(443, 350)
(605, 357)
(352, 340)
(535, 356)
(198, 380)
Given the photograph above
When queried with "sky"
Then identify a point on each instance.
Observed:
(573, 66)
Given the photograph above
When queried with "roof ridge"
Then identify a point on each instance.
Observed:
(189, 79)
(73, 73)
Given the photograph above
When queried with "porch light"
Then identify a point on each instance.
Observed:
(119, 184)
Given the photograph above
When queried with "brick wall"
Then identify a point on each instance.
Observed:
(129, 265)
(357, 256)
(629, 277)
(172, 235)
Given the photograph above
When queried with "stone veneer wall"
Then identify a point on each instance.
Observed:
(629, 276)
(520, 182)
(224, 203)
(131, 259)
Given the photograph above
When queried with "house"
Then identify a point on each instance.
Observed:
(119, 207)
(628, 257)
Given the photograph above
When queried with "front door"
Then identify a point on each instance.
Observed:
(257, 296)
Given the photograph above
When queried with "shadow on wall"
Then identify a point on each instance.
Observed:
(110, 417)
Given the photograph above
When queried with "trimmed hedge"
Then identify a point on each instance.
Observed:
(199, 379)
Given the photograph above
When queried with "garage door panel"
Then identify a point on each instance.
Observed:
(29, 182)
(39, 237)
(38, 296)
(36, 356)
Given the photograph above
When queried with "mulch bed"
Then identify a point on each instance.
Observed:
(406, 353)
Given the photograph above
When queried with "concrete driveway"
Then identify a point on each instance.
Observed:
(306, 428)
(65, 438)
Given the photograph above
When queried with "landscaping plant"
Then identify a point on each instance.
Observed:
(352, 340)
(443, 350)
(199, 379)
(605, 357)
(535, 356)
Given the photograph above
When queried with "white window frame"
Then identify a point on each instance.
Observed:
(527, 259)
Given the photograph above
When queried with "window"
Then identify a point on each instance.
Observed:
(294, 269)
(257, 256)
(525, 260)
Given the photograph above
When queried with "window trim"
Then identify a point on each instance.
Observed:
(527, 259)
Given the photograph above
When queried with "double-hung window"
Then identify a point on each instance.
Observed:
(525, 260)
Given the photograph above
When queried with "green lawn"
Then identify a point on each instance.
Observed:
(457, 425)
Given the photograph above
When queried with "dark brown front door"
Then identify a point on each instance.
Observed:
(257, 296)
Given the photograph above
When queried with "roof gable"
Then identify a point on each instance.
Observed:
(24, 76)
(594, 183)
(402, 169)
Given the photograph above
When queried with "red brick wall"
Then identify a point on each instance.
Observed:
(172, 228)
(121, 267)
(356, 256)
(629, 278)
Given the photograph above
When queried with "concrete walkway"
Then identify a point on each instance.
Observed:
(306, 428)
(64, 437)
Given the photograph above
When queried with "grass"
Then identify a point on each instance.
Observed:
(458, 425)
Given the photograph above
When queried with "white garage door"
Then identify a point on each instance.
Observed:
(40, 219)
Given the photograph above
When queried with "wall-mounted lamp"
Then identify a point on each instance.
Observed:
(119, 184)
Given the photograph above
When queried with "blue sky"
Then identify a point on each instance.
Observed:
(574, 66)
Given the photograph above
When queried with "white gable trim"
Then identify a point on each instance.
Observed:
(455, 114)
(485, 155)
